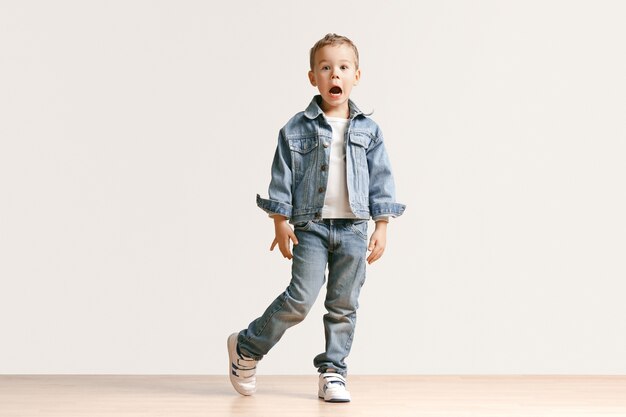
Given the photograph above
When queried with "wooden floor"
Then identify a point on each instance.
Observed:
(296, 396)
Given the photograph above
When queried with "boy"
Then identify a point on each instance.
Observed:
(330, 173)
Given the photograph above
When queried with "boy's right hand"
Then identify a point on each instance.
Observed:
(284, 233)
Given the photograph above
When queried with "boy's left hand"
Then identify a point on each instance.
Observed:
(378, 241)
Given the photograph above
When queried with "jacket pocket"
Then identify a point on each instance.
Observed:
(302, 155)
(360, 143)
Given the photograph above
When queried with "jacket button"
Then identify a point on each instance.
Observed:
(321, 189)
(323, 167)
(326, 144)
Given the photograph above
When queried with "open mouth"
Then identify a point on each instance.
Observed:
(335, 91)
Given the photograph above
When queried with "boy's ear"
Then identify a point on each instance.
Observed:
(312, 79)
(357, 76)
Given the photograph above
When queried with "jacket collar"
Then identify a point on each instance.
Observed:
(314, 109)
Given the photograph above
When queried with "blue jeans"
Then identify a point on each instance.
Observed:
(341, 244)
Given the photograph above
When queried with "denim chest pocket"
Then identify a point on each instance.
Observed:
(302, 154)
(360, 143)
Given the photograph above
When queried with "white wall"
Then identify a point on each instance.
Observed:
(135, 135)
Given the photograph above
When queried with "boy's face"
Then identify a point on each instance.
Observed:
(334, 74)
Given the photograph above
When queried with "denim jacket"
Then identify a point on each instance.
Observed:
(300, 168)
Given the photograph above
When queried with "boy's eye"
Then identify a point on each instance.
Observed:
(344, 67)
(325, 68)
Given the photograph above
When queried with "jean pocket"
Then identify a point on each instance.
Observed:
(359, 228)
(304, 226)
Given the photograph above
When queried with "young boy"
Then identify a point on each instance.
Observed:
(329, 175)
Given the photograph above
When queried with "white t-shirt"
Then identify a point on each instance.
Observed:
(336, 203)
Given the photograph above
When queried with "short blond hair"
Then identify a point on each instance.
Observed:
(333, 39)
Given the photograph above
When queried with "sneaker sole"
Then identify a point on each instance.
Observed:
(320, 394)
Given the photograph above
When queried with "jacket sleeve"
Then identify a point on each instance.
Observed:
(279, 201)
(382, 193)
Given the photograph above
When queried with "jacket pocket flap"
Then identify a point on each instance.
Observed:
(303, 145)
(360, 139)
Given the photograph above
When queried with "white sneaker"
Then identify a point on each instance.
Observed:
(241, 369)
(332, 388)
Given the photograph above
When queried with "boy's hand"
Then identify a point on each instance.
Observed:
(284, 233)
(378, 241)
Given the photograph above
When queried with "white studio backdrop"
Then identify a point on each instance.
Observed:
(134, 136)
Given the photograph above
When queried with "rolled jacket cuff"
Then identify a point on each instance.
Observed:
(386, 209)
(274, 207)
